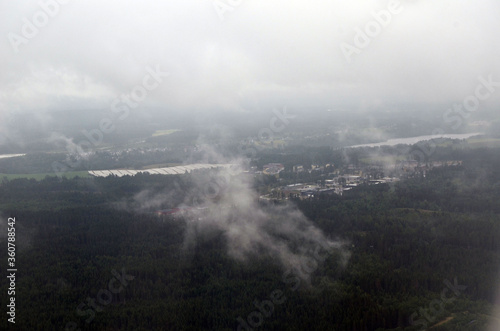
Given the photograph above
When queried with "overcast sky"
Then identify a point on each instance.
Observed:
(255, 53)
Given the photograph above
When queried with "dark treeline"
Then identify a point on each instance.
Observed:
(406, 240)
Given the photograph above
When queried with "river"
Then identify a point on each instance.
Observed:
(414, 140)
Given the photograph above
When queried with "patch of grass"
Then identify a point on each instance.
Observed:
(473, 142)
(69, 175)
(383, 159)
(484, 141)
(160, 165)
(164, 132)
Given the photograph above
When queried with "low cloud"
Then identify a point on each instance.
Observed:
(224, 202)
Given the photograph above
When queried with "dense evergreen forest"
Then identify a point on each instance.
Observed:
(421, 251)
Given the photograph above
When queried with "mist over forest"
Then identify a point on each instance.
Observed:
(250, 165)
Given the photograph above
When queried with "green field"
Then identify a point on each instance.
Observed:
(69, 175)
(161, 165)
(484, 141)
(382, 159)
(164, 132)
(473, 142)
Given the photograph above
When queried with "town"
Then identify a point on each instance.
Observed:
(329, 179)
